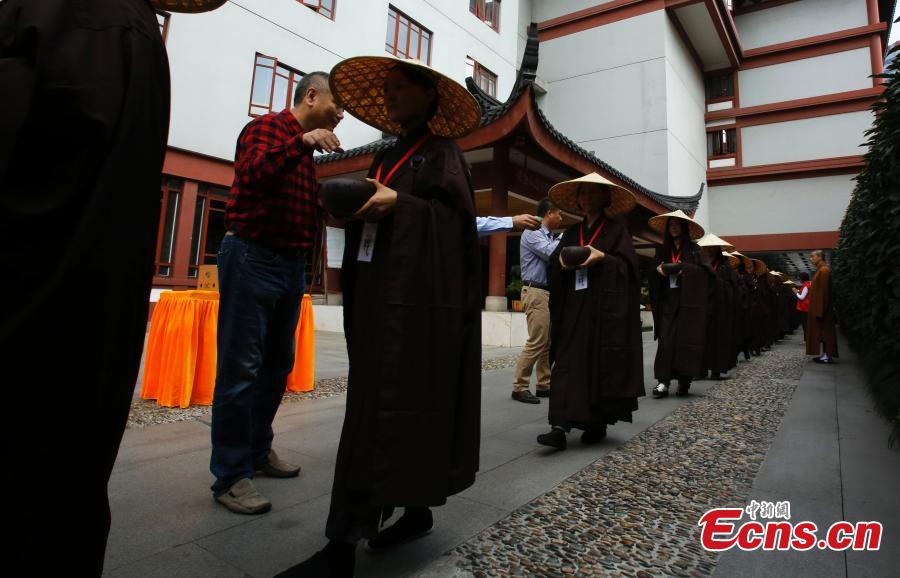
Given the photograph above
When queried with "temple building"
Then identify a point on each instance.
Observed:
(748, 114)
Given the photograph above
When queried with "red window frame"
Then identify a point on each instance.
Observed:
(279, 69)
(484, 78)
(205, 195)
(479, 9)
(171, 193)
(324, 7)
(413, 31)
(721, 143)
(719, 86)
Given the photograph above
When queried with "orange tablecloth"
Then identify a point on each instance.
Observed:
(180, 366)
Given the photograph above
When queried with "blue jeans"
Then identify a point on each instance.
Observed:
(260, 293)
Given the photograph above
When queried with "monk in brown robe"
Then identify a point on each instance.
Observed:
(821, 333)
(720, 353)
(411, 279)
(595, 331)
(679, 294)
(743, 331)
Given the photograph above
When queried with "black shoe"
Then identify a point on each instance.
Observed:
(594, 434)
(543, 393)
(556, 438)
(661, 390)
(336, 560)
(414, 523)
(683, 389)
(746, 355)
(525, 397)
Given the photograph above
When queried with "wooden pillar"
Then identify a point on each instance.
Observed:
(496, 300)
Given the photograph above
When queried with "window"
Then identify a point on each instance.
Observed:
(721, 142)
(273, 86)
(162, 18)
(323, 7)
(209, 226)
(407, 38)
(486, 10)
(171, 190)
(484, 78)
(720, 86)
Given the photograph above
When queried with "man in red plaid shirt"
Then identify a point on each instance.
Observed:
(272, 218)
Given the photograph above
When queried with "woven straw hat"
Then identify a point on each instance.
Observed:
(748, 262)
(565, 195)
(188, 6)
(358, 84)
(733, 261)
(710, 240)
(659, 222)
(759, 268)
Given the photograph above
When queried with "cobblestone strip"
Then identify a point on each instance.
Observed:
(634, 512)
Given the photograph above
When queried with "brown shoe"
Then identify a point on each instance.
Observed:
(542, 393)
(243, 498)
(275, 468)
(525, 397)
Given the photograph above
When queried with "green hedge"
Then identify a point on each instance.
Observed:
(867, 261)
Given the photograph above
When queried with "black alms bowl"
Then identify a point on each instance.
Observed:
(575, 256)
(343, 197)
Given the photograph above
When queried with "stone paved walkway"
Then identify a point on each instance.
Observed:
(634, 512)
(779, 428)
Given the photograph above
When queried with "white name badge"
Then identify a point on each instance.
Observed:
(673, 281)
(367, 243)
(581, 279)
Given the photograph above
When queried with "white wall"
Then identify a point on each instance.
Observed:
(820, 75)
(797, 20)
(611, 98)
(212, 55)
(823, 137)
(788, 206)
(643, 157)
(549, 9)
(685, 107)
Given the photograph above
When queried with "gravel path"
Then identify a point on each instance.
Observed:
(634, 512)
(146, 412)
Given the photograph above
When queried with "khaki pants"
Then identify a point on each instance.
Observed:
(537, 348)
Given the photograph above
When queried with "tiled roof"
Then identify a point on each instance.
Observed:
(492, 110)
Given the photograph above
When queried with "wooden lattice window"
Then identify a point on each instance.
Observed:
(171, 192)
(487, 11)
(209, 226)
(484, 78)
(323, 7)
(406, 38)
(721, 142)
(273, 85)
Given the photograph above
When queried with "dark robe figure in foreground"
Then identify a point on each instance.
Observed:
(412, 320)
(83, 128)
(821, 334)
(595, 333)
(720, 354)
(412, 323)
(680, 304)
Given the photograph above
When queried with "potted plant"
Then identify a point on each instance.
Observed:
(514, 289)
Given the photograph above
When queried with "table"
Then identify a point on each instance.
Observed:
(180, 365)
